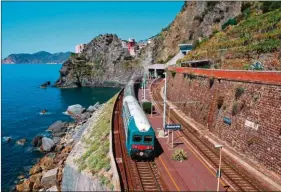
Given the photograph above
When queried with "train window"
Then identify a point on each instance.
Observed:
(137, 138)
(147, 139)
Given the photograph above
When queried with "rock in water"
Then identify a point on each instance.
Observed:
(37, 141)
(25, 186)
(7, 139)
(21, 141)
(75, 109)
(35, 169)
(49, 178)
(58, 126)
(47, 144)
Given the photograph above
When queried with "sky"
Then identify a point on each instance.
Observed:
(29, 27)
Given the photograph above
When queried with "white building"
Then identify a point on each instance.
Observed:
(79, 48)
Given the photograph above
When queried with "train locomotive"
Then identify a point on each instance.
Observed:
(140, 136)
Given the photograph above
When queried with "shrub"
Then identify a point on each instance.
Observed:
(234, 109)
(147, 107)
(238, 92)
(268, 6)
(195, 44)
(191, 75)
(173, 73)
(246, 67)
(179, 155)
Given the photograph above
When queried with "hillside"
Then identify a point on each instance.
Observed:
(36, 58)
(197, 19)
(103, 62)
(256, 37)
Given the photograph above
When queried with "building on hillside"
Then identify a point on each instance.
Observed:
(79, 48)
(132, 47)
(185, 48)
(142, 44)
(124, 44)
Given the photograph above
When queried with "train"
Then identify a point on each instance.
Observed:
(140, 136)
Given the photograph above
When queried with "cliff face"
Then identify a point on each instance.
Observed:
(196, 19)
(35, 58)
(103, 62)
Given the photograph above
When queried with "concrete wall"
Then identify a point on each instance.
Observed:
(255, 128)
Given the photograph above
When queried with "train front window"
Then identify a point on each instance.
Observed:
(137, 138)
(147, 139)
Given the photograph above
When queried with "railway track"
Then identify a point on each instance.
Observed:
(237, 179)
(134, 175)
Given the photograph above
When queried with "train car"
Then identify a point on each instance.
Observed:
(140, 136)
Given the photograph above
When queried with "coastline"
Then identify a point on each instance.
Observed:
(47, 173)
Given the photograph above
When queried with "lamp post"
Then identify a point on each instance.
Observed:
(219, 171)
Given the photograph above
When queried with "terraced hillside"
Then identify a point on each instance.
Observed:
(253, 36)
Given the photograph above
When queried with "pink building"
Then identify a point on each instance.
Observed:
(79, 48)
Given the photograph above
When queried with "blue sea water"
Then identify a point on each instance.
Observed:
(22, 100)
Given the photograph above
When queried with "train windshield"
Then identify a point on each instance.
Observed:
(137, 138)
(147, 139)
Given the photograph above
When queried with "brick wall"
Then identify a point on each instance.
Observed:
(257, 105)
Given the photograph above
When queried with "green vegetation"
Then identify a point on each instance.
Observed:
(270, 6)
(95, 158)
(234, 108)
(179, 155)
(147, 107)
(248, 36)
(173, 73)
(238, 92)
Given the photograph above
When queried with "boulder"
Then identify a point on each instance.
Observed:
(47, 163)
(47, 144)
(34, 177)
(53, 188)
(59, 134)
(49, 178)
(25, 186)
(37, 141)
(58, 126)
(7, 139)
(37, 184)
(75, 110)
(91, 108)
(35, 169)
(56, 139)
(21, 141)
(85, 116)
(59, 148)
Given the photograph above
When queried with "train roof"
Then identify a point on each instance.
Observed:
(136, 111)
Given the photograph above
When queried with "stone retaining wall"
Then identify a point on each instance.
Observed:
(253, 109)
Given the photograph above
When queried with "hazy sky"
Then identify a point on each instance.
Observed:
(28, 27)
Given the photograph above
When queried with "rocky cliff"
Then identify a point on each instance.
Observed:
(35, 58)
(196, 20)
(103, 62)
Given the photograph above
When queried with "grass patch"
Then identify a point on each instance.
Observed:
(95, 157)
(179, 155)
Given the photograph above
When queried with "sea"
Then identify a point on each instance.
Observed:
(22, 101)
